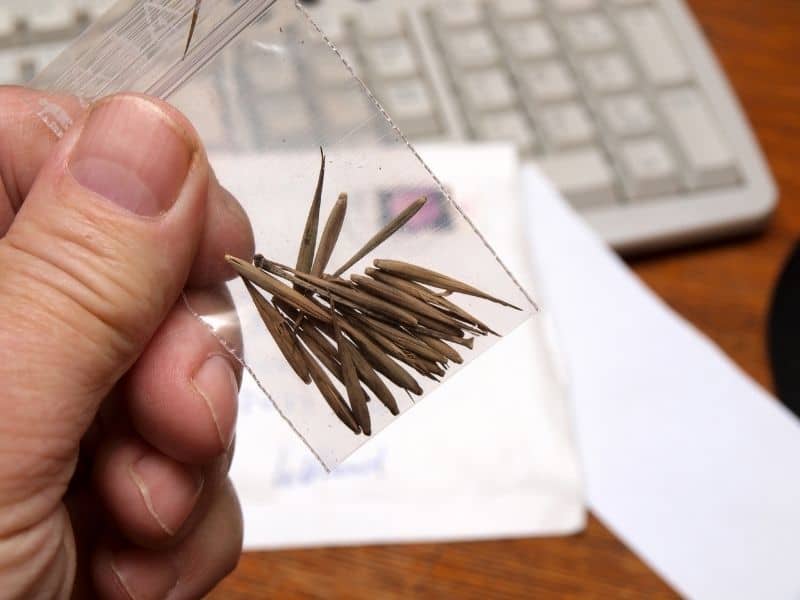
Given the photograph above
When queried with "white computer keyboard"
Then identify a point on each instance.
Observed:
(620, 102)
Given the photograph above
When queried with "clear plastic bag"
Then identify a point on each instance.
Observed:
(266, 90)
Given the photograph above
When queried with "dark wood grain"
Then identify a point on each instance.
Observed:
(724, 289)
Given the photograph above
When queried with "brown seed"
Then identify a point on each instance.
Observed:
(422, 293)
(269, 284)
(461, 341)
(330, 235)
(350, 297)
(365, 371)
(259, 261)
(422, 275)
(419, 364)
(427, 367)
(443, 348)
(384, 234)
(355, 393)
(453, 330)
(328, 361)
(301, 284)
(193, 26)
(308, 243)
(280, 332)
(445, 322)
(401, 298)
(330, 393)
(328, 355)
(284, 273)
(464, 327)
(453, 311)
(382, 362)
(403, 339)
(371, 379)
(374, 304)
(384, 342)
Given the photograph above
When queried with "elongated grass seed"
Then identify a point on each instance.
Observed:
(421, 292)
(305, 256)
(355, 393)
(282, 335)
(384, 234)
(330, 236)
(330, 393)
(385, 323)
(192, 26)
(423, 275)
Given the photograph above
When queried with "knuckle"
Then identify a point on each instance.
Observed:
(75, 275)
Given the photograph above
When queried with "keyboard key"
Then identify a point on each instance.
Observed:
(569, 6)
(345, 110)
(533, 39)
(649, 168)
(567, 125)
(608, 73)
(488, 90)
(391, 59)
(51, 15)
(213, 129)
(409, 103)
(94, 8)
(27, 68)
(37, 58)
(511, 10)
(333, 27)
(707, 153)
(285, 118)
(548, 81)
(590, 32)
(656, 46)
(10, 72)
(283, 75)
(472, 48)
(454, 14)
(583, 176)
(628, 115)
(7, 22)
(379, 23)
(507, 126)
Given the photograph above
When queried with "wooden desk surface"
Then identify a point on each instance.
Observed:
(723, 289)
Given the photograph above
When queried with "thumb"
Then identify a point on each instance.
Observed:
(98, 254)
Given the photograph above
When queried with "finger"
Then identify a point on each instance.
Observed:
(227, 231)
(182, 393)
(189, 570)
(26, 142)
(153, 500)
(92, 264)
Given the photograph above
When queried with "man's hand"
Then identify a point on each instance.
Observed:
(117, 407)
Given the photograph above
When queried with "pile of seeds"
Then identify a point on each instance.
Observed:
(390, 322)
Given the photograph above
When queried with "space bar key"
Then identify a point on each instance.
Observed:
(584, 177)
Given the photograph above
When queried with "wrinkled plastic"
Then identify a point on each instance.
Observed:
(266, 90)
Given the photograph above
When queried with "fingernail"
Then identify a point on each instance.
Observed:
(168, 489)
(143, 576)
(216, 384)
(133, 154)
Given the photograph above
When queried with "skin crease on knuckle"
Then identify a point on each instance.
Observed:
(78, 273)
(191, 568)
(170, 411)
